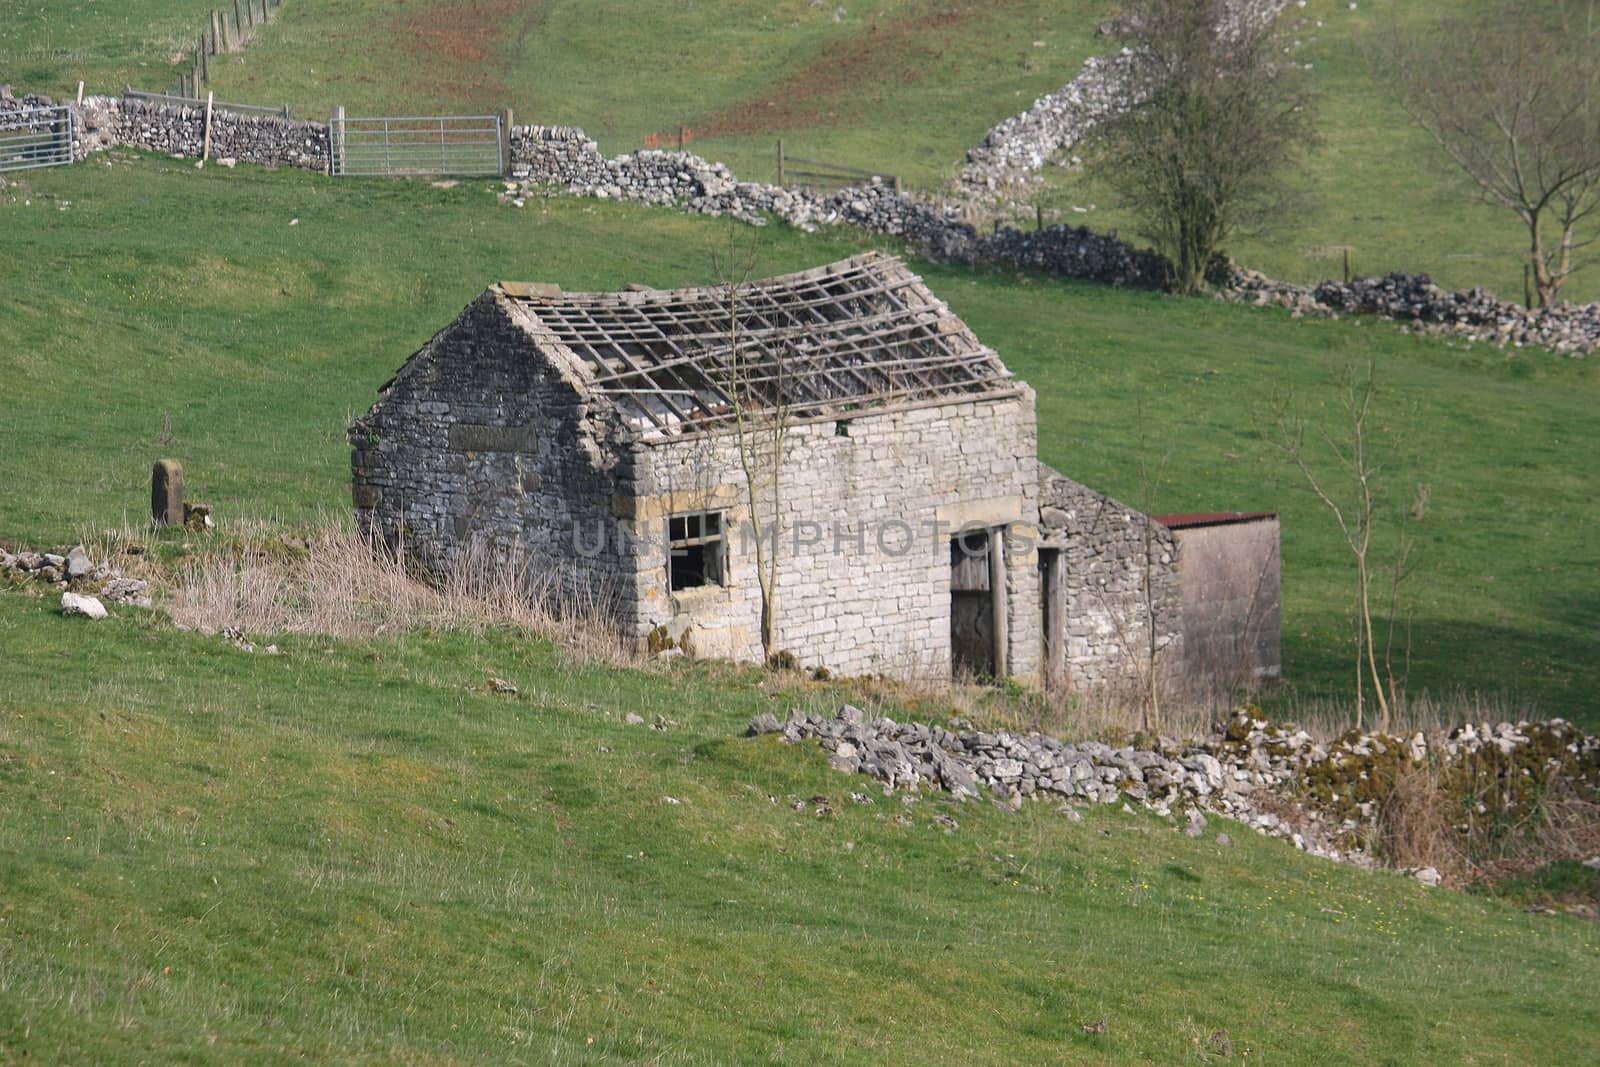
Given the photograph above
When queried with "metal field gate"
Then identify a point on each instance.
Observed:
(416, 145)
(35, 137)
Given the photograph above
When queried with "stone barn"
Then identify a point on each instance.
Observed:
(613, 443)
(597, 436)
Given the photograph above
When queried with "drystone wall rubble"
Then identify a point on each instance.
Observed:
(1322, 797)
(72, 570)
(1008, 159)
(565, 158)
(1423, 307)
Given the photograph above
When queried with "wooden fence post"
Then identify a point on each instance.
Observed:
(780, 161)
(1038, 216)
(215, 24)
(238, 25)
(200, 59)
(1347, 264)
(205, 149)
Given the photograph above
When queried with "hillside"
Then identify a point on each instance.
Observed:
(353, 852)
(244, 345)
(452, 840)
(906, 86)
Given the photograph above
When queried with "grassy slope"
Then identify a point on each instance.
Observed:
(906, 86)
(1374, 182)
(251, 342)
(345, 853)
(49, 45)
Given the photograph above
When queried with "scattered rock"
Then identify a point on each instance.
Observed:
(78, 563)
(765, 723)
(1427, 876)
(86, 606)
(633, 720)
(500, 685)
(1322, 798)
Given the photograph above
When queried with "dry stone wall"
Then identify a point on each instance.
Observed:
(1323, 797)
(267, 140)
(1120, 570)
(101, 122)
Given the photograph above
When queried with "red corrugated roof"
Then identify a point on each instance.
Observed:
(1211, 518)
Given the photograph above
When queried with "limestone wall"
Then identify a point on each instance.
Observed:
(868, 510)
(1106, 573)
(267, 140)
(478, 453)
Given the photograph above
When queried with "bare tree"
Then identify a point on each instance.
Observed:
(754, 380)
(1152, 645)
(1512, 96)
(1216, 116)
(1355, 509)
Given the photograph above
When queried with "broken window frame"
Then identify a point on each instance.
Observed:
(709, 533)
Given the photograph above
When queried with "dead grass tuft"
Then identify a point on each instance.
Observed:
(341, 585)
(1415, 828)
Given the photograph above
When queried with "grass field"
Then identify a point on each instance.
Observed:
(243, 345)
(352, 853)
(48, 46)
(905, 86)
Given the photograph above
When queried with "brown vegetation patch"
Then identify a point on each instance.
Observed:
(463, 44)
(839, 81)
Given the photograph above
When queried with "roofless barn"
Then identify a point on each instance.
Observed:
(596, 436)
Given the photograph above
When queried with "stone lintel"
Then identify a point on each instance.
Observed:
(640, 508)
(987, 511)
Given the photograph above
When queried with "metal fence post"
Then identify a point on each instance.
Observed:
(505, 142)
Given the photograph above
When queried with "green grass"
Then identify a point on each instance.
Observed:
(242, 345)
(48, 46)
(352, 853)
(1373, 182)
(348, 853)
(906, 86)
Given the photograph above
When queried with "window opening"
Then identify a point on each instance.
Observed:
(697, 550)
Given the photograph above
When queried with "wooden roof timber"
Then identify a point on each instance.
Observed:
(861, 333)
